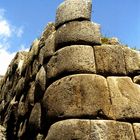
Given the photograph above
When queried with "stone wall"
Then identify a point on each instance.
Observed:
(71, 85)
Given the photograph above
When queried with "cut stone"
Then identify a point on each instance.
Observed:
(78, 32)
(73, 129)
(132, 60)
(109, 60)
(77, 96)
(71, 10)
(50, 28)
(41, 78)
(48, 49)
(125, 98)
(111, 130)
(136, 79)
(136, 127)
(76, 129)
(35, 118)
(22, 107)
(71, 59)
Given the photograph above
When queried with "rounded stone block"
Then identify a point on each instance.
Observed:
(125, 98)
(136, 127)
(132, 60)
(73, 10)
(35, 118)
(77, 96)
(76, 129)
(78, 32)
(71, 59)
(110, 60)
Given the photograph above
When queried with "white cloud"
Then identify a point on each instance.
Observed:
(7, 31)
(4, 29)
(5, 59)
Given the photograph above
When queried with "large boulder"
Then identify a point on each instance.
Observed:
(125, 98)
(110, 60)
(35, 119)
(46, 33)
(48, 49)
(77, 96)
(71, 59)
(78, 32)
(71, 10)
(132, 60)
(76, 129)
(136, 127)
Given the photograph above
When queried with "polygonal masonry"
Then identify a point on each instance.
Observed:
(136, 127)
(110, 60)
(71, 10)
(125, 98)
(71, 59)
(76, 129)
(132, 60)
(77, 96)
(78, 32)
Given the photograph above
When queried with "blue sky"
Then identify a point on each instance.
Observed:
(23, 21)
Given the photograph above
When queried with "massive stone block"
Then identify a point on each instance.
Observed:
(22, 109)
(41, 79)
(69, 130)
(50, 28)
(73, 10)
(76, 129)
(71, 59)
(110, 60)
(48, 49)
(136, 127)
(77, 96)
(132, 60)
(78, 32)
(35, 118)
(125, 98)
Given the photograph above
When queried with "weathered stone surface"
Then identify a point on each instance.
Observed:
(76, 96)
(35, 67)
(34, 50)
(125, 98)
(31, 94)
(19, 88)
(111, 130)
(110, 41)
(16, 63)
(110, 60)
(70, 130)
(76, 129)
(72, 59)
(48, 49)
(35, 118)
(46, 33)
(2, 133)
(22, 130)
(132, 60)
(22, 107)
(136, 79)
(41, 78)
(136, 127)
(78, 32)
(40, 137)
(73, 10)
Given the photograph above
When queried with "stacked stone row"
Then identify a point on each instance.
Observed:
(85, 105)
(66, 86)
